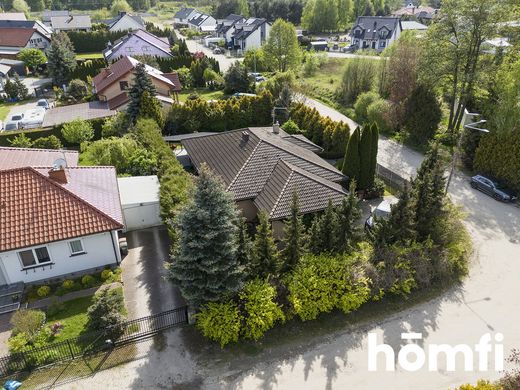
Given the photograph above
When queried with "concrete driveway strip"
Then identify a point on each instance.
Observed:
(146, 289)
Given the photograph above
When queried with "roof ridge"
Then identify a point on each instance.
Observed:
(88, 204)
(38, 149)
(282, 191)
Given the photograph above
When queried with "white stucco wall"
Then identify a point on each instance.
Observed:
(98, 248)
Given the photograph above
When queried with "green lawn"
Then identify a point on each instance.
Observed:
(88, 56)
(326, 80)
(203, 93)
(4, 110)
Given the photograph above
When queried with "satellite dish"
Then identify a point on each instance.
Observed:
(59, 164)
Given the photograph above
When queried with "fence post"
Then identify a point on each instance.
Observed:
(70, 349)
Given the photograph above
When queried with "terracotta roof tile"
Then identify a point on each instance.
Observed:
(15, 37)
(35, 209)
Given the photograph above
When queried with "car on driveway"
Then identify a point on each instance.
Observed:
(43, 103)
(492, 188)
(382, 211)
(218, 50)
(11, 126)
(349, 49)
(16, 118)
(32, 119)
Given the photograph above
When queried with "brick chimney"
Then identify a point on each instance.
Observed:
(58, 174)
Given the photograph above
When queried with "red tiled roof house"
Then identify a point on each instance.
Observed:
(57, 221)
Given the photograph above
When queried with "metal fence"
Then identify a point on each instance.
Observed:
(93, 342)
(390, 178)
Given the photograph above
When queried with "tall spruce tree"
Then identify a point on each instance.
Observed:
(61, 58)
(265, 259)
(324, 232)
(244, 245)
(365, 158)
(348, 216)
(294, 237)
(205, 267)
(351, 162)
(428, 192)
(142, 83)
(150, 107)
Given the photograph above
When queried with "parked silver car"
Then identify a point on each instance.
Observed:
(492, 188)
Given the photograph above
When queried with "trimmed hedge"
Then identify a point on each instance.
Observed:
(56, 131)
(93, 41)
(88, 68)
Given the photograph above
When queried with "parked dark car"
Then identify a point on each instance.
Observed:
(349, 49)
(492, 188)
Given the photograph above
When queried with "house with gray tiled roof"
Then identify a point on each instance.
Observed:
(263, 166)
(250, 34)
(183, 15)
(376, 32)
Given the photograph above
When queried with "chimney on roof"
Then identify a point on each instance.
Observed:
(276, 128)
(122, 13)
(57, 173)
(245, 136)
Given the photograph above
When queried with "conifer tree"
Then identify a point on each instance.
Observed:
(348, 216)
(141, 83)
(294, 236)
(324, 233)
(265, 259)
(205, 267)
(351, 162)
(244, 245)
(61, 58)
(150, 107)
(373, 154)
(365, 158)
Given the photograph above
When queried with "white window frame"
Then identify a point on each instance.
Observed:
(37, 263)
(82, 251)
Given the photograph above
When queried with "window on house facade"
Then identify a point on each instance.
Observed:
(76, 247)
(382, 44)
(32, 257)
(123, 85)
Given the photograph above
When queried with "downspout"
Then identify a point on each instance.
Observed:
(114, 246)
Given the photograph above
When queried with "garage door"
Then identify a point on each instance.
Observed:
(140, 217)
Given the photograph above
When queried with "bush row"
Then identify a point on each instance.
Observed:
(93, 41)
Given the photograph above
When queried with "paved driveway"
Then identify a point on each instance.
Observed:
(146, 289)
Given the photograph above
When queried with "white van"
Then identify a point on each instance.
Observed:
(33, 119)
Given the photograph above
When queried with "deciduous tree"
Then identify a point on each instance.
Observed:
(282, 49)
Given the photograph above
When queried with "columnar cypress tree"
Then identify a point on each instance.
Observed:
(244, 245)
(294, 237)
(141, 84)
(351, 162)
(348, 215)
(373, 154)
(365, 158)
(324, 234)
(150, 107)
(61, 58)
(265, 259)
(206, 267)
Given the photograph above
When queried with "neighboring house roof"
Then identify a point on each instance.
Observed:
(27, 24)
(375, 27)
(4, 70)
(24, 157)
(86, 111)
(118, 101)
(313, 191)
(47, 14)
(121, 67)
(181, 137)
(245, 158)
(138, 189)
(12, 16)
(37, 209)
(413, 25)
(161, 44)
(414, 11)
(183, 13)
(198, 19)
(243, 30)
(15, 37)
(72, 22)
(122, 15)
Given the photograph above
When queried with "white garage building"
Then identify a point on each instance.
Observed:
(140, 201)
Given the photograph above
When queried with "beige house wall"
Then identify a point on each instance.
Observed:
(248, 209)
(114, 89)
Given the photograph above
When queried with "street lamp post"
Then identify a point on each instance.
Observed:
(454, 157)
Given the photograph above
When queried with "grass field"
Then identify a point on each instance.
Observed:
(88, 56)
(326, 80)
(4, 110)
(165, 10)
(203, 94)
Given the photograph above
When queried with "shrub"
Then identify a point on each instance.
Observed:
(378, 112)
(78, 89)
(291, 127)
(68, 284)
(55, 307)
(358, 77)
(88, 281)
(322, 283)
(261, 310)
(50, 142)
(105, 313)
(220, 322)
(43, 291)
(106, 274)
(77, 131)
(18, 342)
(481, 385)
(363, 101)
(27, 321)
